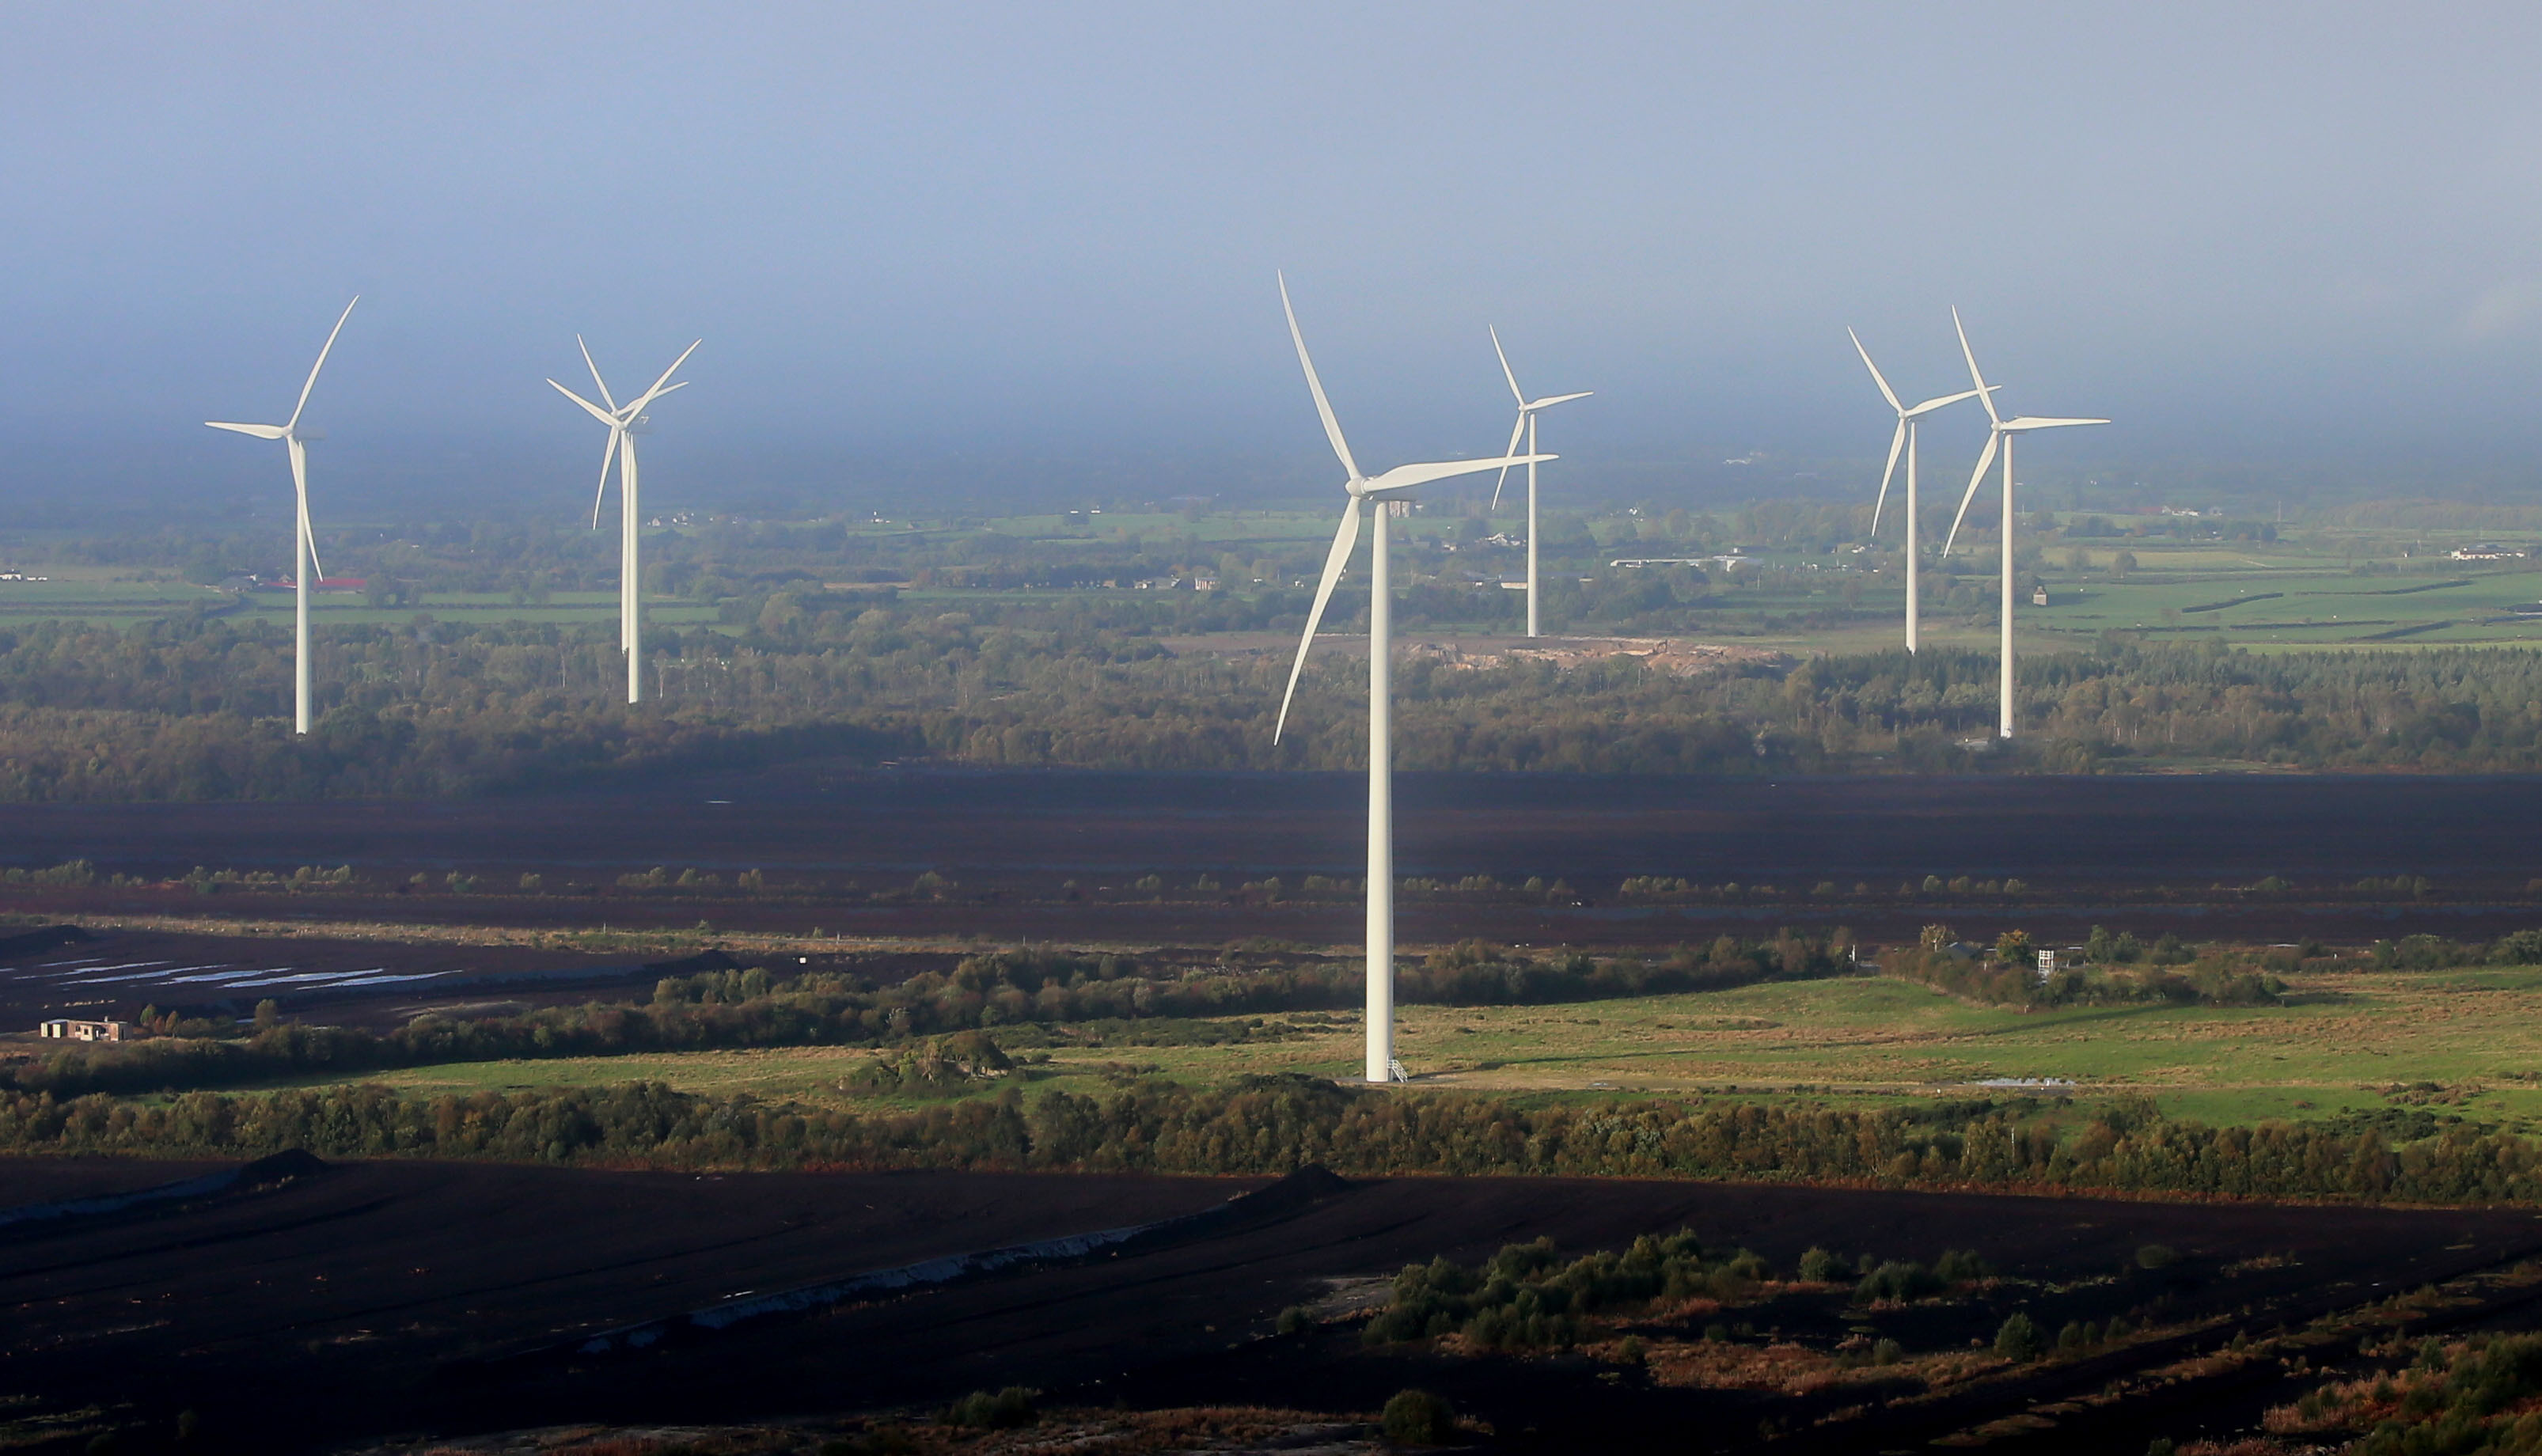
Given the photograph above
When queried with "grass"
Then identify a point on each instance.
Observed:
(2457, 1042)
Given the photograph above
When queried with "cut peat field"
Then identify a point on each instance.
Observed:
(417, 1298)
(1058, 855)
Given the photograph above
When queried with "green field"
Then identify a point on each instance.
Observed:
(97, 594)
(2456, 1041)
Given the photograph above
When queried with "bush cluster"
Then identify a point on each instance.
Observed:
(1527, 1297)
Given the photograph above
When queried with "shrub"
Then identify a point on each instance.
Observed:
(1421, 1417)
(1961, 1266)
(998, 1410)
(2018, 1338)
(1297, 1319)
(1819, 1267)
(2155, 1255)
(1898, 1281)
(1887, 1352)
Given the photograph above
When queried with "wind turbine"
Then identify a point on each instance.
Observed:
(1999, 437)
(623, 421)
(1527, 410)
(304, 542)
(1903, 439)
(1370, 496)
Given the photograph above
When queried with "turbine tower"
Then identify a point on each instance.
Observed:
(1903, 439)
(1370, 496)
(304, 542)
(1999, 437)
(623, 421)
(1527, 411)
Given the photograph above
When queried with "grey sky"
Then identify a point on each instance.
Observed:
(929, 244)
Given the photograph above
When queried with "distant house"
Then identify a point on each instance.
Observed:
(1635, 564)
(64, 1028)
(2039, 597)
(2487, 550)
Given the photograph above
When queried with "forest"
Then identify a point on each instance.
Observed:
(1037, 641)
(197, 709)
(1274, 1125)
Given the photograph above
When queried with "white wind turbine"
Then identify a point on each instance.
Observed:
(304, 542)
(623, 421)
(1903, 439)
(1999, 437)
(1527, 410)
(1370, 496)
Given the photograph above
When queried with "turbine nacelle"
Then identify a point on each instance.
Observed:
(1905, 416)
(1526, 408)
(1999, 435)
(305, 567)
(1359, 487)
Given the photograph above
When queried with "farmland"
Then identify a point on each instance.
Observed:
(2460, 1042)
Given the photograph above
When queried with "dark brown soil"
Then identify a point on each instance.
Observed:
(382, 1298)
(2151, 852)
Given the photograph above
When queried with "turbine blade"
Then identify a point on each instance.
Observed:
(595, 372)
(605, 416)
(1344, 539)
(1549, 401)
(2027, 422)
(262, 432)
(1405, 476)
(1929, 405)
(657, 391)
(321, 361)
(1896, 443)
(635, 410)
(1886, 392)
(1985, 458)
(1985, 394)
(300, 494)
(1323, 406)
(608, 453)
(1515, 392)
(1516, 430)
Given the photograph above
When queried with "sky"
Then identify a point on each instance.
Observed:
(1028, 252)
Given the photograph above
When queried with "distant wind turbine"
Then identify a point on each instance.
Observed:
(1527, 411)
(1370, 496)
(623, 421)
(1904, 438)
(1999, 437)
(304, 542)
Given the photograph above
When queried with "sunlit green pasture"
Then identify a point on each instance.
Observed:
(2465, 1042)
(93, 594)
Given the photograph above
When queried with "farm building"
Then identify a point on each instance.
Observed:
(64, 1028)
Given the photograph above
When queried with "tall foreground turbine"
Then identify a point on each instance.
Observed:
(1999, 437)
(304, 542)
(1527, 410)
(1370, 496)
(1904, 437)
(623, 421)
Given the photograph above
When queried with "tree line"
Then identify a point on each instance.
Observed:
(1277, 1124)
(197, 709)
(747, 1007)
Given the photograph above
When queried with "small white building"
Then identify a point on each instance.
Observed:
(2047, 964)
(64, 1028)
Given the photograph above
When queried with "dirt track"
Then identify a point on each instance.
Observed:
(397, 1297)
